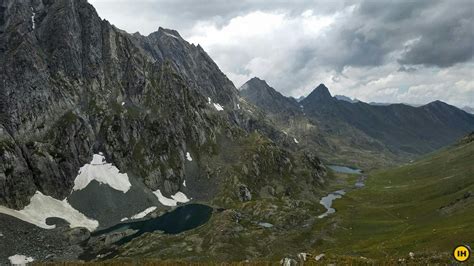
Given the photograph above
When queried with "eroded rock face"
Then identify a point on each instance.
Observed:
(244, 193)
(77, 235)
(72, 85)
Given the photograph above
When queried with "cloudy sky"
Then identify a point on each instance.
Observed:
(412, 51)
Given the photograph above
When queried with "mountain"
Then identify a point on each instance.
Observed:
(259, 93)
(300, 98)
(415, 130)
(345, 98)
(335, 141)
(319, 94)
(99, 126)
(359, 130)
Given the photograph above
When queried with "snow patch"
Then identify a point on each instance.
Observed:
(20, 259)
(102, 172)
(33, 14)
(218, 107)
(184, 183)
(42, 207)
(144, 213)
(123, 103)
(124, 219)
(238, 106)
(188, 156)
(319, 257)
(171, 35)
(296, 141)
(178, 197)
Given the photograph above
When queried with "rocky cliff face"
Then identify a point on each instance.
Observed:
(72, 85)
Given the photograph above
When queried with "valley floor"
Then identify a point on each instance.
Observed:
(415, 213)
(425, 208)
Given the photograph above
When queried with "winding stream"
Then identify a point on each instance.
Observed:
(327, 201)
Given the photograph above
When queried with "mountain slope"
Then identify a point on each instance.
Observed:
(259, 93)
(404, 129)
(425, 207)
(359, 133)
(74, 86)
(334, 140)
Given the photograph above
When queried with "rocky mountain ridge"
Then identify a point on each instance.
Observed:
(396, 130)
(73, 86)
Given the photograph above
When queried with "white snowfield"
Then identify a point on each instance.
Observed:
(144, 213)
(42, 207)
(102, 172)
(188, 156)
(20, 259)
(178, 197)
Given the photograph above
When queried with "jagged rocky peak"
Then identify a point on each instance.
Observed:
(74, 88)
(193, 63)
(168, 32)
(320, 93)
(258, 92)
(73, 85)
(255, 83)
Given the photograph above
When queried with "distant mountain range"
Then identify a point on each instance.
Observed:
(399, 130)
(345, 98)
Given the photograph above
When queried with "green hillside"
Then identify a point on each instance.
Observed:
(426, 207)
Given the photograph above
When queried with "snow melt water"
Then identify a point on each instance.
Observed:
(102, 172)
(42, 207)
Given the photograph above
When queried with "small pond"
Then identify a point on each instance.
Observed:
(345, 169)
(179, 220)
(327, 202)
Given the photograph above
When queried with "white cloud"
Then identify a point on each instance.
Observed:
(260, 43)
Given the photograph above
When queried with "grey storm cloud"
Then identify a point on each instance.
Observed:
(443, 29)
(398, 45)
(442, 33)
